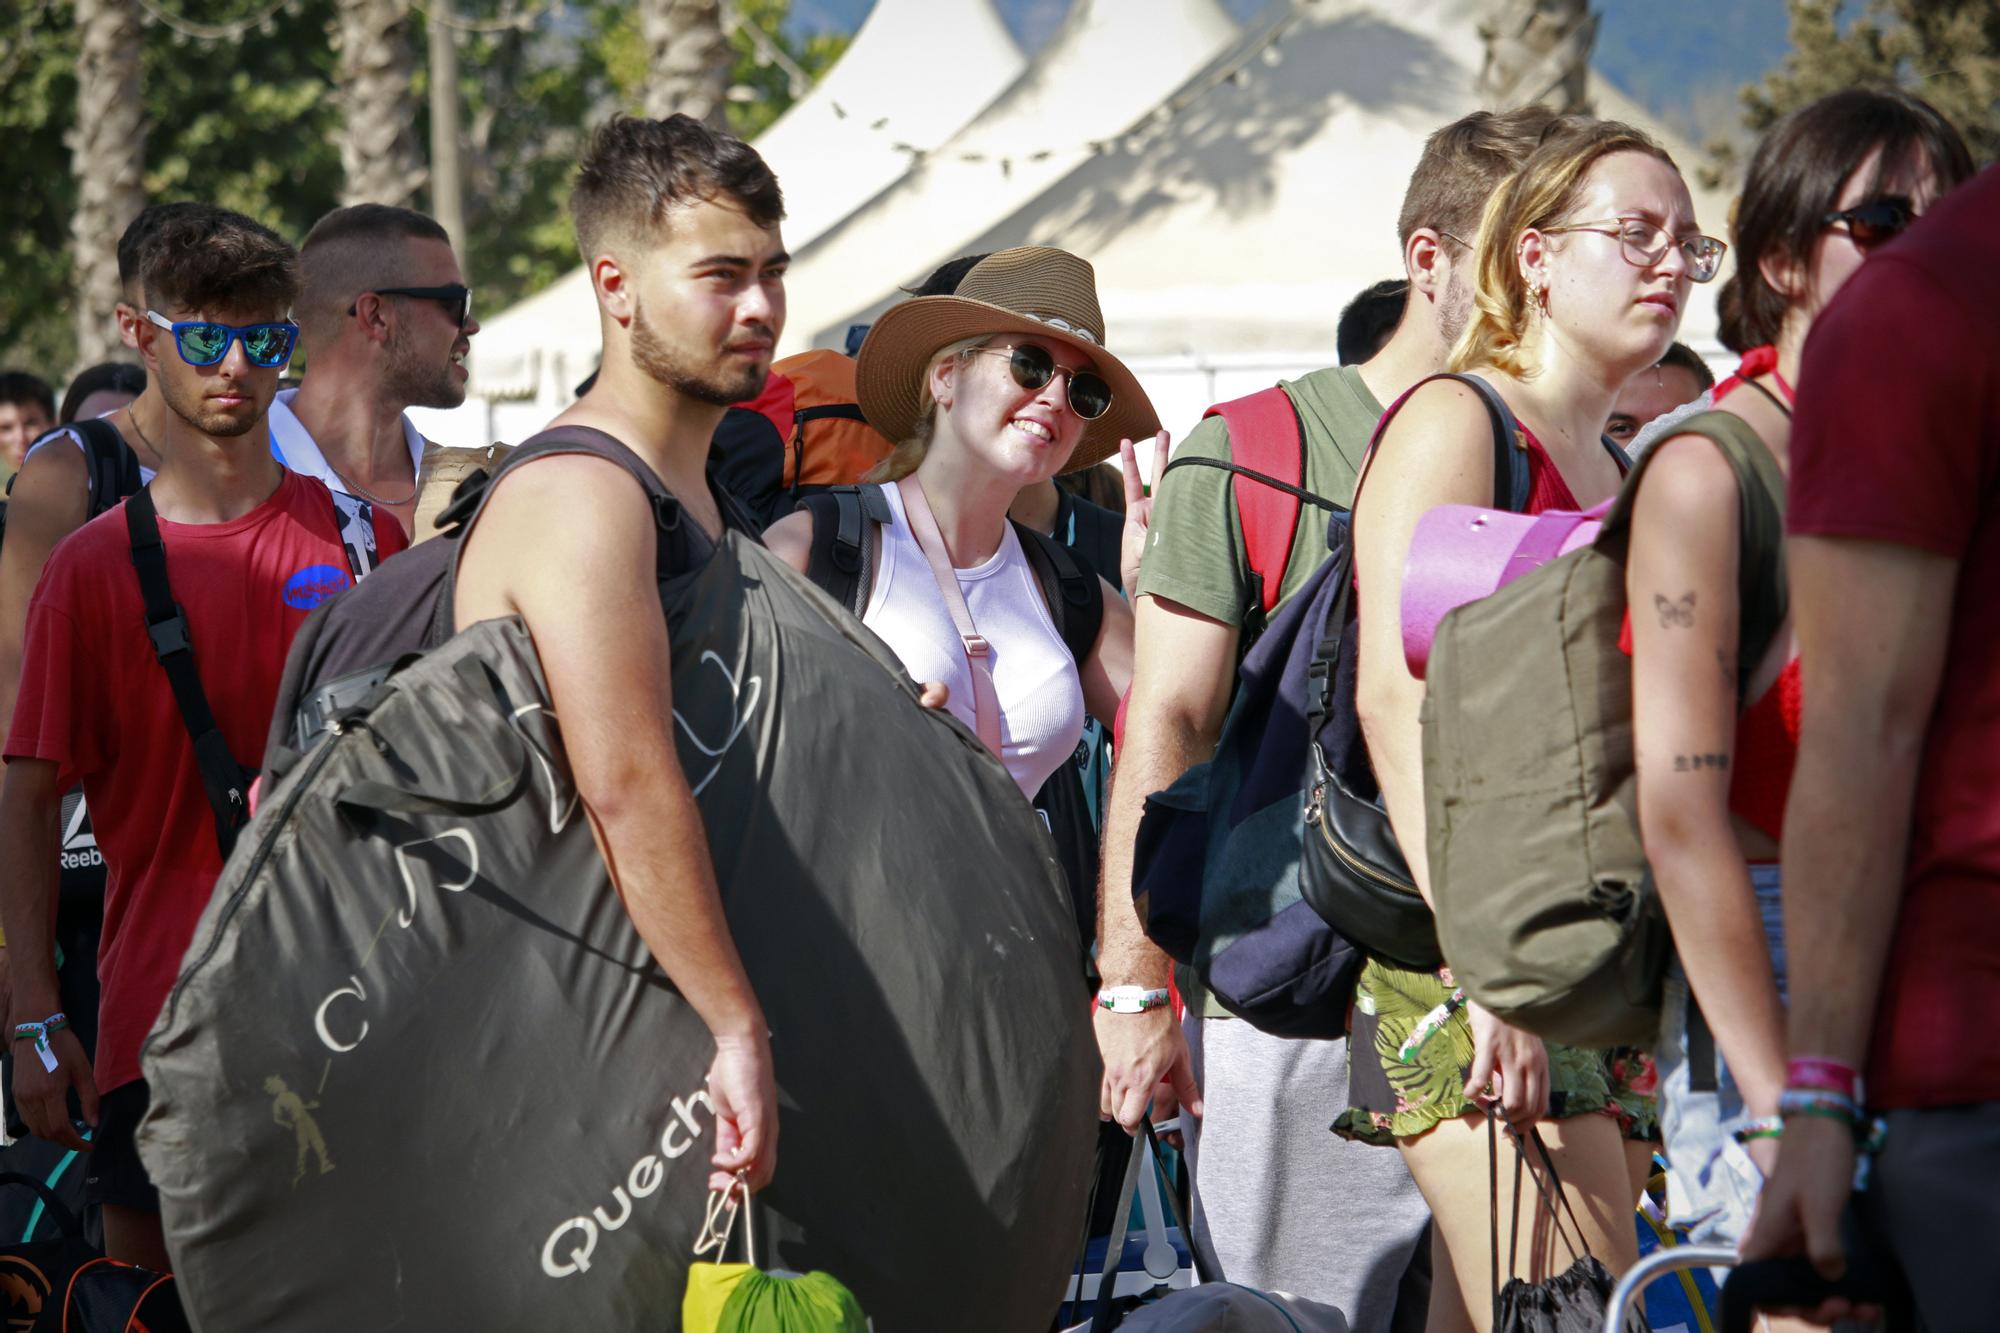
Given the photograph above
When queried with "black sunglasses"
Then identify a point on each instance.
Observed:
(456, 298)
(1876, 221)
(1033, 367)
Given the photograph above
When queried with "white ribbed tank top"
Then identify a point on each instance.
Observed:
(1041, 698)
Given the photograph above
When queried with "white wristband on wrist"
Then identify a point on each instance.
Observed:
(1131, 999)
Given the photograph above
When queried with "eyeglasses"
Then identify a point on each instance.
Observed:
(1033, 367)
(455, 298)
(1645, 244)
(1877, 221)
(203, 342)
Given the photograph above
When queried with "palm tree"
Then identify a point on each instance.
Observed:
(110, 161)
(687, 58)
(1538, 51)
(378, 143)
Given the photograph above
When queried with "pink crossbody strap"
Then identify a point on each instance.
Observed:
(978, 652)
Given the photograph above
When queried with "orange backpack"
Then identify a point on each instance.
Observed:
(802, 434)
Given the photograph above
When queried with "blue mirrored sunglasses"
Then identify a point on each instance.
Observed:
(203, 342)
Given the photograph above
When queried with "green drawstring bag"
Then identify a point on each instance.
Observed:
(815, 1303)
(739, 1298)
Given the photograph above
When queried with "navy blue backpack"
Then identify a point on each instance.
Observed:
(1216, 872)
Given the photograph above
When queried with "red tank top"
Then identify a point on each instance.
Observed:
(1767, 734)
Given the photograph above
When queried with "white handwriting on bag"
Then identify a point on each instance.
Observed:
(739, 716)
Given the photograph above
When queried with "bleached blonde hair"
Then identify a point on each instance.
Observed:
(909, 453)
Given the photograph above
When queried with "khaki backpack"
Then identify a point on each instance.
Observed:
(1546, 907)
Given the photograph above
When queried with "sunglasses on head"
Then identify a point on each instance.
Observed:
(1033, 367)
(1874, 222)
(204, 342)
(456, 298)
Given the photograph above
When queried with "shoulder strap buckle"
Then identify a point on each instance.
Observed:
(169, 636)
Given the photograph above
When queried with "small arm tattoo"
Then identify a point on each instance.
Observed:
(1675, 614)
(1694, 763)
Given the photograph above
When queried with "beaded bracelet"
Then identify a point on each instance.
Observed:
(1764, 1127)
(1824, 1075)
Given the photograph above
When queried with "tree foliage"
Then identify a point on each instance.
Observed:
(254, 125)
(1945, 51)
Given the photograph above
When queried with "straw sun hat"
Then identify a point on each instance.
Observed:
(1035, 290)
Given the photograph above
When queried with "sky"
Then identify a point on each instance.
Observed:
(1683, 60)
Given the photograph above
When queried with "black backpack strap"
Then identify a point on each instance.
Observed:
(1075, 594)
(113, 467)
(469, 502)
(222, 778)
(1093, 534)
(838, 563)
(1510, 460)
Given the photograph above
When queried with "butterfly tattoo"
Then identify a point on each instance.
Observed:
(1675, 613)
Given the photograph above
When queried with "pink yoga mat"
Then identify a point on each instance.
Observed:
(1461, 553)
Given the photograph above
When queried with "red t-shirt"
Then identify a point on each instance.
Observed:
(95, 701)
(1897, 439)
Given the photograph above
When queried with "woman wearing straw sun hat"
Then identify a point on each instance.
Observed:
(1001, 385)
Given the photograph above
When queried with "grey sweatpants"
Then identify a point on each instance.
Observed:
(1285, 1204)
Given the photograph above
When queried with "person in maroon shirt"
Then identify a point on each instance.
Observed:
(1892, 836)
(250, 550)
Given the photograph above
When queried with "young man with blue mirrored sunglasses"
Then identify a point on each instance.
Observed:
(247, 549)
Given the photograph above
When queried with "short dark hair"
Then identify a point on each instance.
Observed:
(354, 250)
(220, 261)
(19, 386)
(636, 171)
(1795, 180)
(1685, 357)
(1369, 319)
(104, 377)
(944, 281)
(372, 222)
(132, 244)
(1463, 164)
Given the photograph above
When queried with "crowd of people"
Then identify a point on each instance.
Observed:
(1809, 793)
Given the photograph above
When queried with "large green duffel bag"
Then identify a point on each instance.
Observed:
(1546, 908)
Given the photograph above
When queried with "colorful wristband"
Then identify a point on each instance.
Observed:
(39, 1034)
(1819, 1102)
(1818, 1073)
(1131, 999)
(1764, 1127)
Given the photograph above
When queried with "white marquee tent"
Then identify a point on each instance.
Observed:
(1112, 63)
(833, 151)
(1227, 239)
(1228, 224)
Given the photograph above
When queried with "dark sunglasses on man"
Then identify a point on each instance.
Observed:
(1032, 368)
(455, 298)
(1876, 222)
(204, 342)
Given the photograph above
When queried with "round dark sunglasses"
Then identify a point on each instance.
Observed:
(204, 342)
(1875, 222)
(1033, 367)
(455, 298)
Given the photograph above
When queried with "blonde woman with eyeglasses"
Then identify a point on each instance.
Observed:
(1584, 264)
